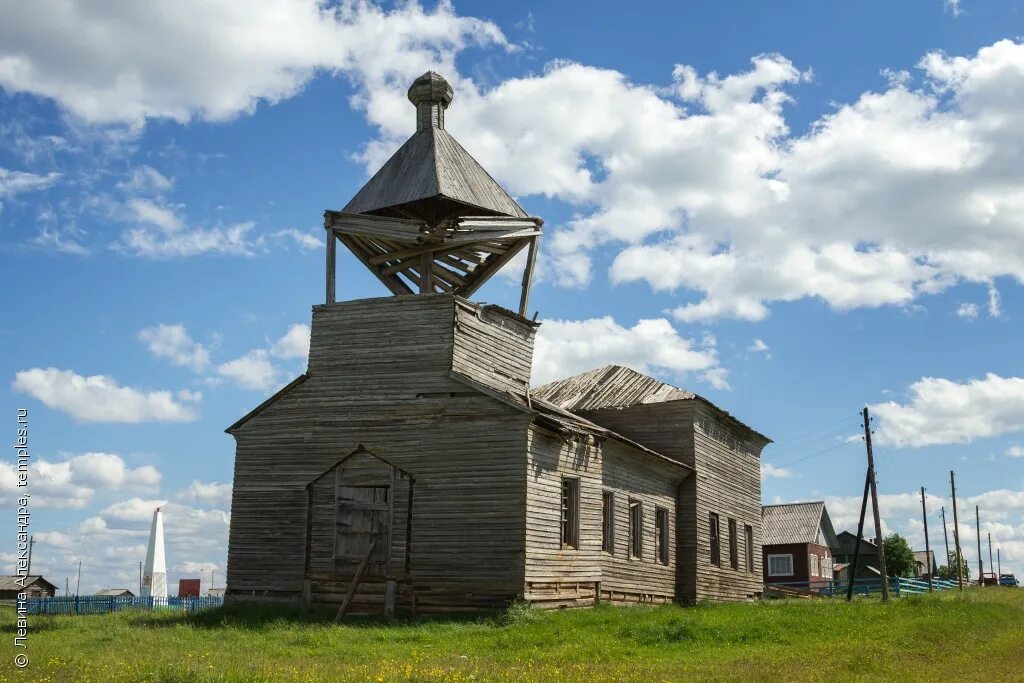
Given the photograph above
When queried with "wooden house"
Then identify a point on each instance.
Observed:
(799, 544)
(924, 564)
(867, 560)
(32, 586)
(116, 592)
(412, 466)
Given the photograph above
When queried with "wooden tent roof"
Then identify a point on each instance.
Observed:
(432, 165)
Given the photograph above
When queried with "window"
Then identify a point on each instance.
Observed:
(661, 533)
(826, 567)
(815, 566)
(716, 539)
(780, 565)
(608, 522)
(571, 512)
(636, 529)
(734, 551)
(748, 541)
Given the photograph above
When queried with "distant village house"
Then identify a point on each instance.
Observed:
(32, 586)
(799, 544)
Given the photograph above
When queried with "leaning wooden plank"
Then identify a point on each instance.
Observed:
(392, 283)
(488, 269)
(355, 583)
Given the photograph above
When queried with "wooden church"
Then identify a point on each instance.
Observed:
(412, 468)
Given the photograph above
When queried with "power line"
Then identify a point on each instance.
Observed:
(815, 455)
(817, 430)
(809, 443)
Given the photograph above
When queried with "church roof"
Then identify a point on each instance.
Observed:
(432, 164)
(612, 386)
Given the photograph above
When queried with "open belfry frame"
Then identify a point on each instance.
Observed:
(455, 256)
(432, 220)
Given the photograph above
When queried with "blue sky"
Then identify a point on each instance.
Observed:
(791, 210)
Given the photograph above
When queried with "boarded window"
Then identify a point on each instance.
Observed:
(748, 541)
(636, 529)
(734, 552)
(608, 522)
(780, 565)
(715, 537)
(571, 512)
(661, 533)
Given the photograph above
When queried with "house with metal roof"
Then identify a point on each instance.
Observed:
(799, 544)
(413, 467)
(867, 558)
(116, 592)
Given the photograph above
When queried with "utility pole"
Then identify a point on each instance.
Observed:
(31, 542)
(981, 563)
(956, 534)
(140, 578)
(874, 505)
(927, 547)
(78, 585)
(852, 569)
(945, 534)
(67, 586)
(1000, 561)
(990, 564)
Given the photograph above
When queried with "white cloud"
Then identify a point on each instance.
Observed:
(942, 411)
(294, 343)
(151, 213)
(74, 482)
(1015, 451)
(305, 241)
(207, 493)
(139, 61)
(99, 398)
(967, 310)
(566, 347)
(251, 371)
(768, 470)
(16, 182)
(994, 308)
(235, 240)
(758, 346)
(146, 180)
(173, 342)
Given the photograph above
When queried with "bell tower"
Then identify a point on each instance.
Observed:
(432, 220)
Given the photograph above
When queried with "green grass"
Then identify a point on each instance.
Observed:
(976, 636)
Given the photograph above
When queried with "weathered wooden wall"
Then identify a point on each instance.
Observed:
(728, 482)
(558, 576)
(379, 376)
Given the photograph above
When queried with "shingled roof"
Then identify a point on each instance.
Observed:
(797, 523)
(432, 165)
(612, 386)
(616, 386)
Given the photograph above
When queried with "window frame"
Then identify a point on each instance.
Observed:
(815, 568)
(636, 529)
(715, 538)
(788, 556)
(734, 544)
(748, 544)
(569, 502)
(661, 534)
(608, 521)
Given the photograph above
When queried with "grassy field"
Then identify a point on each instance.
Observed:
(977, 636)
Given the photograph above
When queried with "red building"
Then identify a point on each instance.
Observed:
(798, 543)
(188, 588)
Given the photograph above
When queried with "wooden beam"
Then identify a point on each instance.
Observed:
(355, 583)
(531, 259)
(426, 273)
(331, 243)
(392, 283)
(488, 269)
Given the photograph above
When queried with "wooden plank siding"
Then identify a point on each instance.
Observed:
(379, 378)
(728, 482)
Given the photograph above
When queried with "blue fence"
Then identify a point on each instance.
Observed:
(101, 604)
(897, 587)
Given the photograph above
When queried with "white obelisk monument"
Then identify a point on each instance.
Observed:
(154, 576)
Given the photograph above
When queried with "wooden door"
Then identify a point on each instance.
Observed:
(363, 516)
